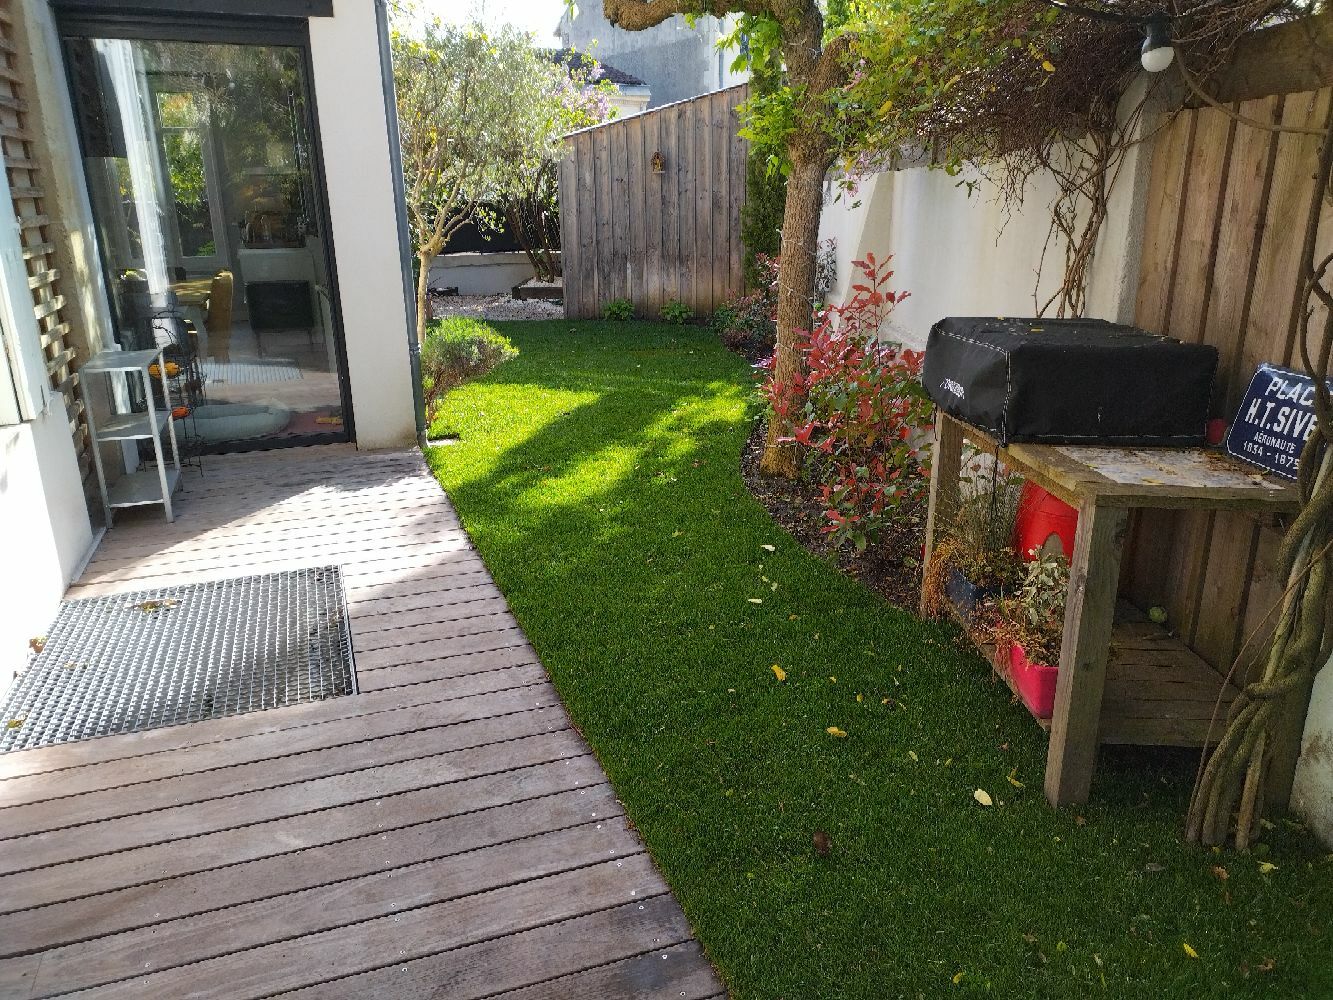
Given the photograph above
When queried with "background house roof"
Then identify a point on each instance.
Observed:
(573, 59)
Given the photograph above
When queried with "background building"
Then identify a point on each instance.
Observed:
(677, 62)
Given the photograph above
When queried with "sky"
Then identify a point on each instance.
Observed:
(537, 16)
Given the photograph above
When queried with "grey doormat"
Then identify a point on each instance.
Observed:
(182, 654)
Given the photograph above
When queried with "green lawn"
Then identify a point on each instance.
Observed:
(597, 473)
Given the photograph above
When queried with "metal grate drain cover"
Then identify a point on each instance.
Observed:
(161, 657)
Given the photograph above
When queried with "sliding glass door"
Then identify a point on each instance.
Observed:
(202, 173)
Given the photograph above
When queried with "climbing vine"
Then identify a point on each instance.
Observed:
(1012, 88)
(1229, 793)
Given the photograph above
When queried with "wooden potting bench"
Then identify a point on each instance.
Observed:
(1122, 678)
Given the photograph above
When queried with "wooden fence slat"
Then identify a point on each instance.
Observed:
(1222, 596)
(619, 263)
(637, 180)
(1276, 278)
(1252, 161)
(719, 264)
(670, 122)
(653, 228)
(703, 207)
(587, 211)
(1195, 240)
(737, 151)
(565, 179)
(601, 144)
(687, 143)
(1169, 165)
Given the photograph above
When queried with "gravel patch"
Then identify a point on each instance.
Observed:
(494, 307)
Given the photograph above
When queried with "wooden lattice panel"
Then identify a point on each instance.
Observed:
(36, 230)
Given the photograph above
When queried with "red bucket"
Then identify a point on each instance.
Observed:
(1043, 518)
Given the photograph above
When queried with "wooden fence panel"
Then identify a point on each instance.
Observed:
(1227, 204)
(628, 232)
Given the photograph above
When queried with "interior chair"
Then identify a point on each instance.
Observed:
(217, 321)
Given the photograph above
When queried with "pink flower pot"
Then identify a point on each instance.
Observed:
(1035, 682)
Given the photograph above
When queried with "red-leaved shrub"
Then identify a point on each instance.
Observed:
(854, 410)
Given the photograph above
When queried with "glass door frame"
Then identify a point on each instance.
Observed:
(287, 32)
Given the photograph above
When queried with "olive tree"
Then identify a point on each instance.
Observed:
(474, 110)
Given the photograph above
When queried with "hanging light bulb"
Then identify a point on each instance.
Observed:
(1157, 53)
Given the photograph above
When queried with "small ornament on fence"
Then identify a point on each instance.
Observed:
(659, 163)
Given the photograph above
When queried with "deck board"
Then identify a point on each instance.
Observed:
(444, 832)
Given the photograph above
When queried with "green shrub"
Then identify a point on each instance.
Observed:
(457, 349)
(677, 312)
(618, 310)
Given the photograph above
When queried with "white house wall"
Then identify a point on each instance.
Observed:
(349, 94)
(46, 534)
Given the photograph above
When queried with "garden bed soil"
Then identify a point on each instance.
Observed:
(892, 568)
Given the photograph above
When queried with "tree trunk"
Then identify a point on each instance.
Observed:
(423, 295)
(796, 292)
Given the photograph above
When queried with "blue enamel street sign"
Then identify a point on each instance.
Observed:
(1275, 420)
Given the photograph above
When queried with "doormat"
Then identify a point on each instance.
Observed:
(131, 662)
(252, 372)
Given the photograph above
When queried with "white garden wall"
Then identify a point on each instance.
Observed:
(481, 273)
(961, 253)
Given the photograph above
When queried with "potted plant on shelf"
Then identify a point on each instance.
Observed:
(1028, 627)
(975, 561)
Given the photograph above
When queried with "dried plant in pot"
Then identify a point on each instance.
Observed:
(1027, 629)
(974, 562)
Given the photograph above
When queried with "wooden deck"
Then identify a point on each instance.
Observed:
(443, 833)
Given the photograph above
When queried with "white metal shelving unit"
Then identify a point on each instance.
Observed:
(149, 485)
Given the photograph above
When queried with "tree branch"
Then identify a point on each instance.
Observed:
(637, 15)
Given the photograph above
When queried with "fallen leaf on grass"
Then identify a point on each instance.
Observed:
(912, 754)
(755, 600)
(835, 731)
(779, 673)
(1188, 950)
(958, 977)
(1267, 866)
(1220, 873)
(1013, 779)
(822, 843)
(982, 796)
(769, 548)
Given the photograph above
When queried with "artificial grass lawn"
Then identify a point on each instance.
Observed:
(598, 475)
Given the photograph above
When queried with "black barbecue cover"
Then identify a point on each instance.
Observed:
(1081, 381)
